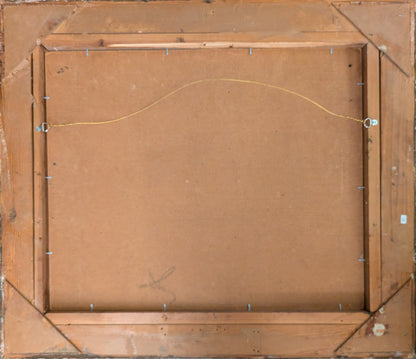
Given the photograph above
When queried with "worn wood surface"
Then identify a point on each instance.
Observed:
(208, 340)
(16, 181)
(199, 318)
(215, 17)
(397, 177)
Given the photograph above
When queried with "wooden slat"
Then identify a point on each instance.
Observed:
(198, 16)
(39, 181)
(208, 340)
(57, 42)
(193, 318)
(372, 180)
(16, 180)
(397, 181)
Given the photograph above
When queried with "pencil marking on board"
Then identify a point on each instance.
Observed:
(62, 69)
(157, 283)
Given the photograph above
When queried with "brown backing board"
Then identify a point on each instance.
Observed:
(221, 195)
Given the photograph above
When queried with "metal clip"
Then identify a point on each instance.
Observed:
(44, 127)
(370, 122)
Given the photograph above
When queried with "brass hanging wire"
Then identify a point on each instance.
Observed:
(47, 126)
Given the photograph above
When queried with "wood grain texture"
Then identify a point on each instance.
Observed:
(16, 181)
(372, 179)
(59, 42)
(215, 17)
(208, 340)
(199, 318)
(397, 180)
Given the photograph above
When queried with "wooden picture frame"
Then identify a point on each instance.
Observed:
(384, 31)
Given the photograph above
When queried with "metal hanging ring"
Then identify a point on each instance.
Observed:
(44, 127)
(370, 122)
